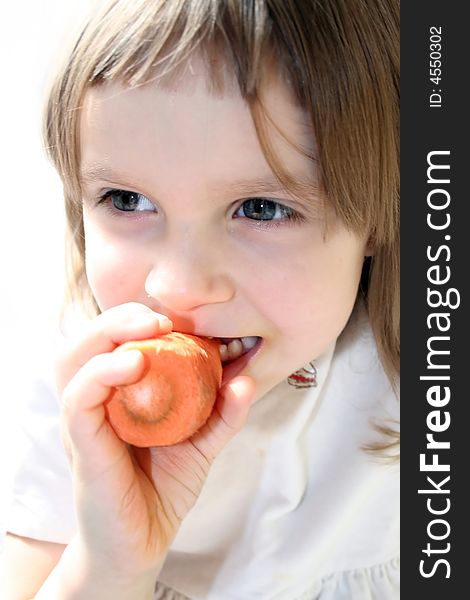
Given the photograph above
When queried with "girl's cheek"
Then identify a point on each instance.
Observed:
(114, 277)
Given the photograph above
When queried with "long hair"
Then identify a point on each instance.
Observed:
(340, 58)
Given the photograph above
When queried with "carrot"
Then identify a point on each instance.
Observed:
(175, 395)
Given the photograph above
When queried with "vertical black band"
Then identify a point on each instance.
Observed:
(435, 201)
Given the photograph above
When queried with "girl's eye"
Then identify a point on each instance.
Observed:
(125, 201)
(263, 209)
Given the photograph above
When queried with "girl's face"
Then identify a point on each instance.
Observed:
(182, 213)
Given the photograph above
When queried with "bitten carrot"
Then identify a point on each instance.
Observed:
(174, 397)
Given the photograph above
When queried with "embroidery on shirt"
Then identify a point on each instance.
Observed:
(304, 377)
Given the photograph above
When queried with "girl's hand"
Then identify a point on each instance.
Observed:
(131, 501)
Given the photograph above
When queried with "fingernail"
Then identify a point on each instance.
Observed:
(128, 358)
(152, 318)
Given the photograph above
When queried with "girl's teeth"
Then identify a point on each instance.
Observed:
(223, 352)
(235, 349)
(232, 349)
(249, 342)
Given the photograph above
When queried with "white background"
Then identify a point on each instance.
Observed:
(32, 34)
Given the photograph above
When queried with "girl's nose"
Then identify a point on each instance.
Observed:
(186, 282)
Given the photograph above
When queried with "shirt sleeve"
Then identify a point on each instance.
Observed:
(41, 500)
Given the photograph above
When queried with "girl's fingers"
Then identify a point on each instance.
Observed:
(85, 425)
(227, 418)
(110, 329)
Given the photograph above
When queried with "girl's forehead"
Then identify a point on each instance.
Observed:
(194, 82)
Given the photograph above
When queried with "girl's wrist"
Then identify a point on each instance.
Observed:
(76, 577)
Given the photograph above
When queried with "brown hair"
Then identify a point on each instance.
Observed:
(339, 57)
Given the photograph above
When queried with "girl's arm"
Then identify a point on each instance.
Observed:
(58, 572)
(26, 563)
(129, 502)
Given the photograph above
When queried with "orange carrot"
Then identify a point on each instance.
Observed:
(174, 397)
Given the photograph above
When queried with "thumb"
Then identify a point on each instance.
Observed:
(228, 416)
(234, 402)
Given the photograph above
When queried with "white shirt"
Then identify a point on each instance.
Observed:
(293, 508)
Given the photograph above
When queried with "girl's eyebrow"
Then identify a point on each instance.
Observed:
(269, 185)
(97, 172)
(103, 173)
(245, 186)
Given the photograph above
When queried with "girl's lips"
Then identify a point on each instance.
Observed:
(233, 368)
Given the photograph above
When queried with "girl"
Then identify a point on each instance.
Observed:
(230, 170)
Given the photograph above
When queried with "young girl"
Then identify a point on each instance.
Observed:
(230, 170)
